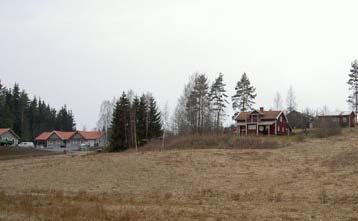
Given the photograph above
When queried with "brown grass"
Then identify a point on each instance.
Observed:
(216, 141)
(311, 180)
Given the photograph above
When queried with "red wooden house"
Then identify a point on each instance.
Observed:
(343, 119)
(262, 123)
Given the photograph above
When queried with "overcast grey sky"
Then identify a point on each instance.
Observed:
(80, 52)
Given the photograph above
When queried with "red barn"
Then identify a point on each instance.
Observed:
(262, 123)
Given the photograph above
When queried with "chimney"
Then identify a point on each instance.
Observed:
(261, 109)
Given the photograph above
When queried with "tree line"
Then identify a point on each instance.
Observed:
(201, 107)
(135, 120)
(30, 117)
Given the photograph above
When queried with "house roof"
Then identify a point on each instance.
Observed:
(91, 135)
(5, 130)
(64, 135)
(265, 115)
(43, 136)
(87, 135)
(337, 113)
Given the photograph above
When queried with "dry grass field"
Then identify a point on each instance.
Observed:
(315, 179)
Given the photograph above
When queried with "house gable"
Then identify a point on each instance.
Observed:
(7, 132)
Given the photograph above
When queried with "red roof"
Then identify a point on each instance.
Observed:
(266, 115)
(44, 136)
(5, 130)
(64, 135)
(91, 135)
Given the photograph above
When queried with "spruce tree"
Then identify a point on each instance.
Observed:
(30, 118)
(154, 121)
(142, 114)
(134, 120)
(353, 86)
(245, 95)
(120, 124)
(16, 109)
(218, 97)
(64, 119)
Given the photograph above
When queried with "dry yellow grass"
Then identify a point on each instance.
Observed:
(312, 180)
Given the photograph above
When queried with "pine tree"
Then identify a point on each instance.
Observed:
(154, 120)
(218, 97)
(198, 104)
(245, 95)
(353, 86)
(120, 124)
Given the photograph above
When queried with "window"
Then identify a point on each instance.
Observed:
(345, 120)
(252, 127)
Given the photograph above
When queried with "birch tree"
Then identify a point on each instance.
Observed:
(277, 101)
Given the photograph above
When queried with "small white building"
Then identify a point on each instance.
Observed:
(9, 135)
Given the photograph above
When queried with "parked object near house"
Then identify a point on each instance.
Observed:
(299, 120)
(262, 123)
(8, 137)
(71, 140)
(27, 144)
(342, 119)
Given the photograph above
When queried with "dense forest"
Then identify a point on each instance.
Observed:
(29, 117)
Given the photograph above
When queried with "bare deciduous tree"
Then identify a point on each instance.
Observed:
(105, 116)
(277, 101)
(165, 122)
(291, 100)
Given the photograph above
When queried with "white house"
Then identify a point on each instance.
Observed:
(9, 135)
(71, 140)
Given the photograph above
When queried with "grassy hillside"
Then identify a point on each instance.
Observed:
(311, 180)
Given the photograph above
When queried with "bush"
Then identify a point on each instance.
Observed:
(214, 141)
(327, 128)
